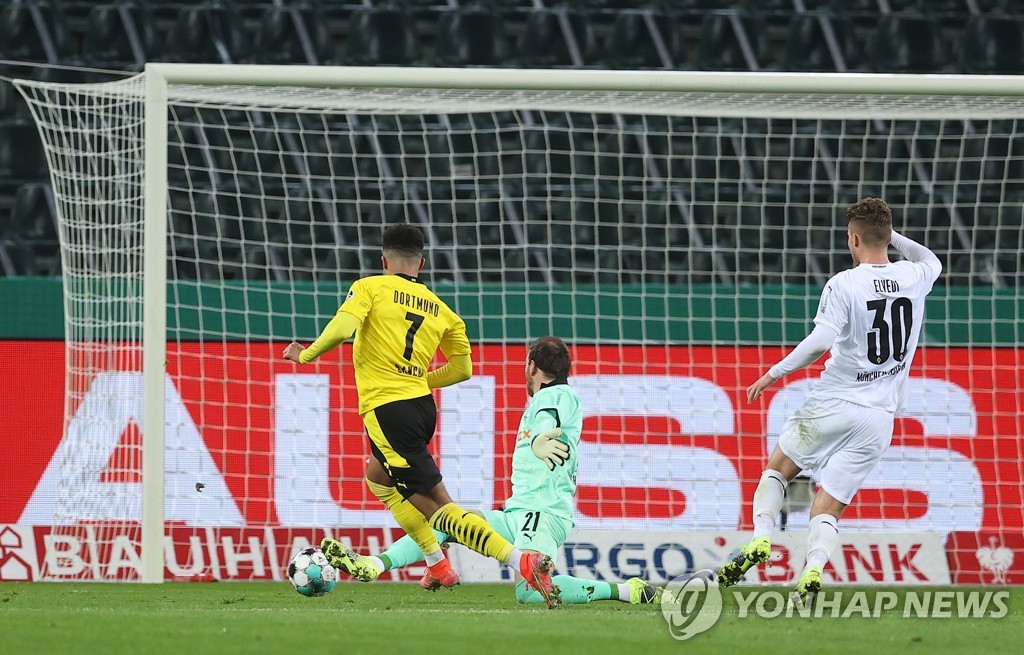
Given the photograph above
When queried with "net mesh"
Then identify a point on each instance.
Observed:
(677, 241)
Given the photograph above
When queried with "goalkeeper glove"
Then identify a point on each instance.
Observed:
(547, 447)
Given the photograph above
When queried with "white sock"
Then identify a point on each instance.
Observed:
(623, 592)
(822, 538)
(513, 560)
(433, 558)
(768, 497)
(378, 562)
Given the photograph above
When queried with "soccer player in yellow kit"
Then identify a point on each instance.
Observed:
(399, 324)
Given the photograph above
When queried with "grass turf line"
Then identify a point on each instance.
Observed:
(379, 618)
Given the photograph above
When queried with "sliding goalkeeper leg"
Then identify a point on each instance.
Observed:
(542, 531)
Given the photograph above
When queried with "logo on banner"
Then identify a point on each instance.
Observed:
(996, 559)
(13, 567)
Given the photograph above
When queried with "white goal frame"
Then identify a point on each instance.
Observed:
(158, 77)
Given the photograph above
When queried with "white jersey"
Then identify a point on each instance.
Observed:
(878, 310)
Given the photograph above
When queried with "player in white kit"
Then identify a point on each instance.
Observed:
(870, 317)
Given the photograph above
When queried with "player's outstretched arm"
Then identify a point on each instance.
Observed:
(340, 329)
(806, 352)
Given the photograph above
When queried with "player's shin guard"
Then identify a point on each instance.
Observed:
(768, 497)
(471, 531)
(822, 539)
(411, 520)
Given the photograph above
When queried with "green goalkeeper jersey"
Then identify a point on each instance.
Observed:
(534, 487)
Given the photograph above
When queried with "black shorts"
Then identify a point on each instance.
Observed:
(399, 433)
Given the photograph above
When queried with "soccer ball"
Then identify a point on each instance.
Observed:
(311, 574)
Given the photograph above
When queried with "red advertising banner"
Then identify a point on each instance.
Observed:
(987, 558)
(669, 441)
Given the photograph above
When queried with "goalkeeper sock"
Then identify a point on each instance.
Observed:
(768, 497)
(574, 591)
(405, 552)
(822, 538)
(411, 520)
(473, 532)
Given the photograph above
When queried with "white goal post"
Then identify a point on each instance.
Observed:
(318, 103)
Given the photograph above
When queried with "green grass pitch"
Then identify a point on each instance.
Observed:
(387, 618)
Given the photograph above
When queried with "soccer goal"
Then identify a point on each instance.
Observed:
(675, 228)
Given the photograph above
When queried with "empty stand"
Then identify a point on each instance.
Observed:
(473, 36)
(733, 41)
(382, 36)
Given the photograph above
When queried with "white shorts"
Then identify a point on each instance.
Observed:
(837, 442)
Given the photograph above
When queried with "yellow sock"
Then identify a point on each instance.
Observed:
(471, 531)
(410, 518)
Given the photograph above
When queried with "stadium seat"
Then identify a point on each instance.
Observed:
(410, 149)
(482, 152)
(993, 44)
(11, 103)
(249, 156)
(21, 154)
(808, 49)
(908, 43)
(633, 42)
(556, 38)
(479, 221)
(699, 7)
(558, 157)
(17, 259)
(31, 235)
(293, 34)
(34, 216)
(382, 37)
(209, 33)
(121, 36)
(733, 41)
(474, 36)
(33, 31)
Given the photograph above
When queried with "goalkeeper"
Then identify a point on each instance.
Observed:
(539, 514)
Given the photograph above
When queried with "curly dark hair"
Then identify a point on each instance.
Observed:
(871, 218)
(403, 240)
(552, 356)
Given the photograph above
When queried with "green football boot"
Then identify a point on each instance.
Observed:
(344, 559)
(807, 587)
(756, 552)
(642, 592)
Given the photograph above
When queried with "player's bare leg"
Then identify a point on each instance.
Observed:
(768, 497)
(822, 538)
(472, 531)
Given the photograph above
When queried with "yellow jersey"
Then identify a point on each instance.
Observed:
(402, 326)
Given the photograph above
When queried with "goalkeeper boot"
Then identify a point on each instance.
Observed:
(642, 592)
(536, 569)
(752, 554)
(807, 587)
(345, 559)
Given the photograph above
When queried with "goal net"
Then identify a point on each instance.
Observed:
(675, 229)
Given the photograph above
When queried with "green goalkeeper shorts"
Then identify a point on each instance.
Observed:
(530, 530)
